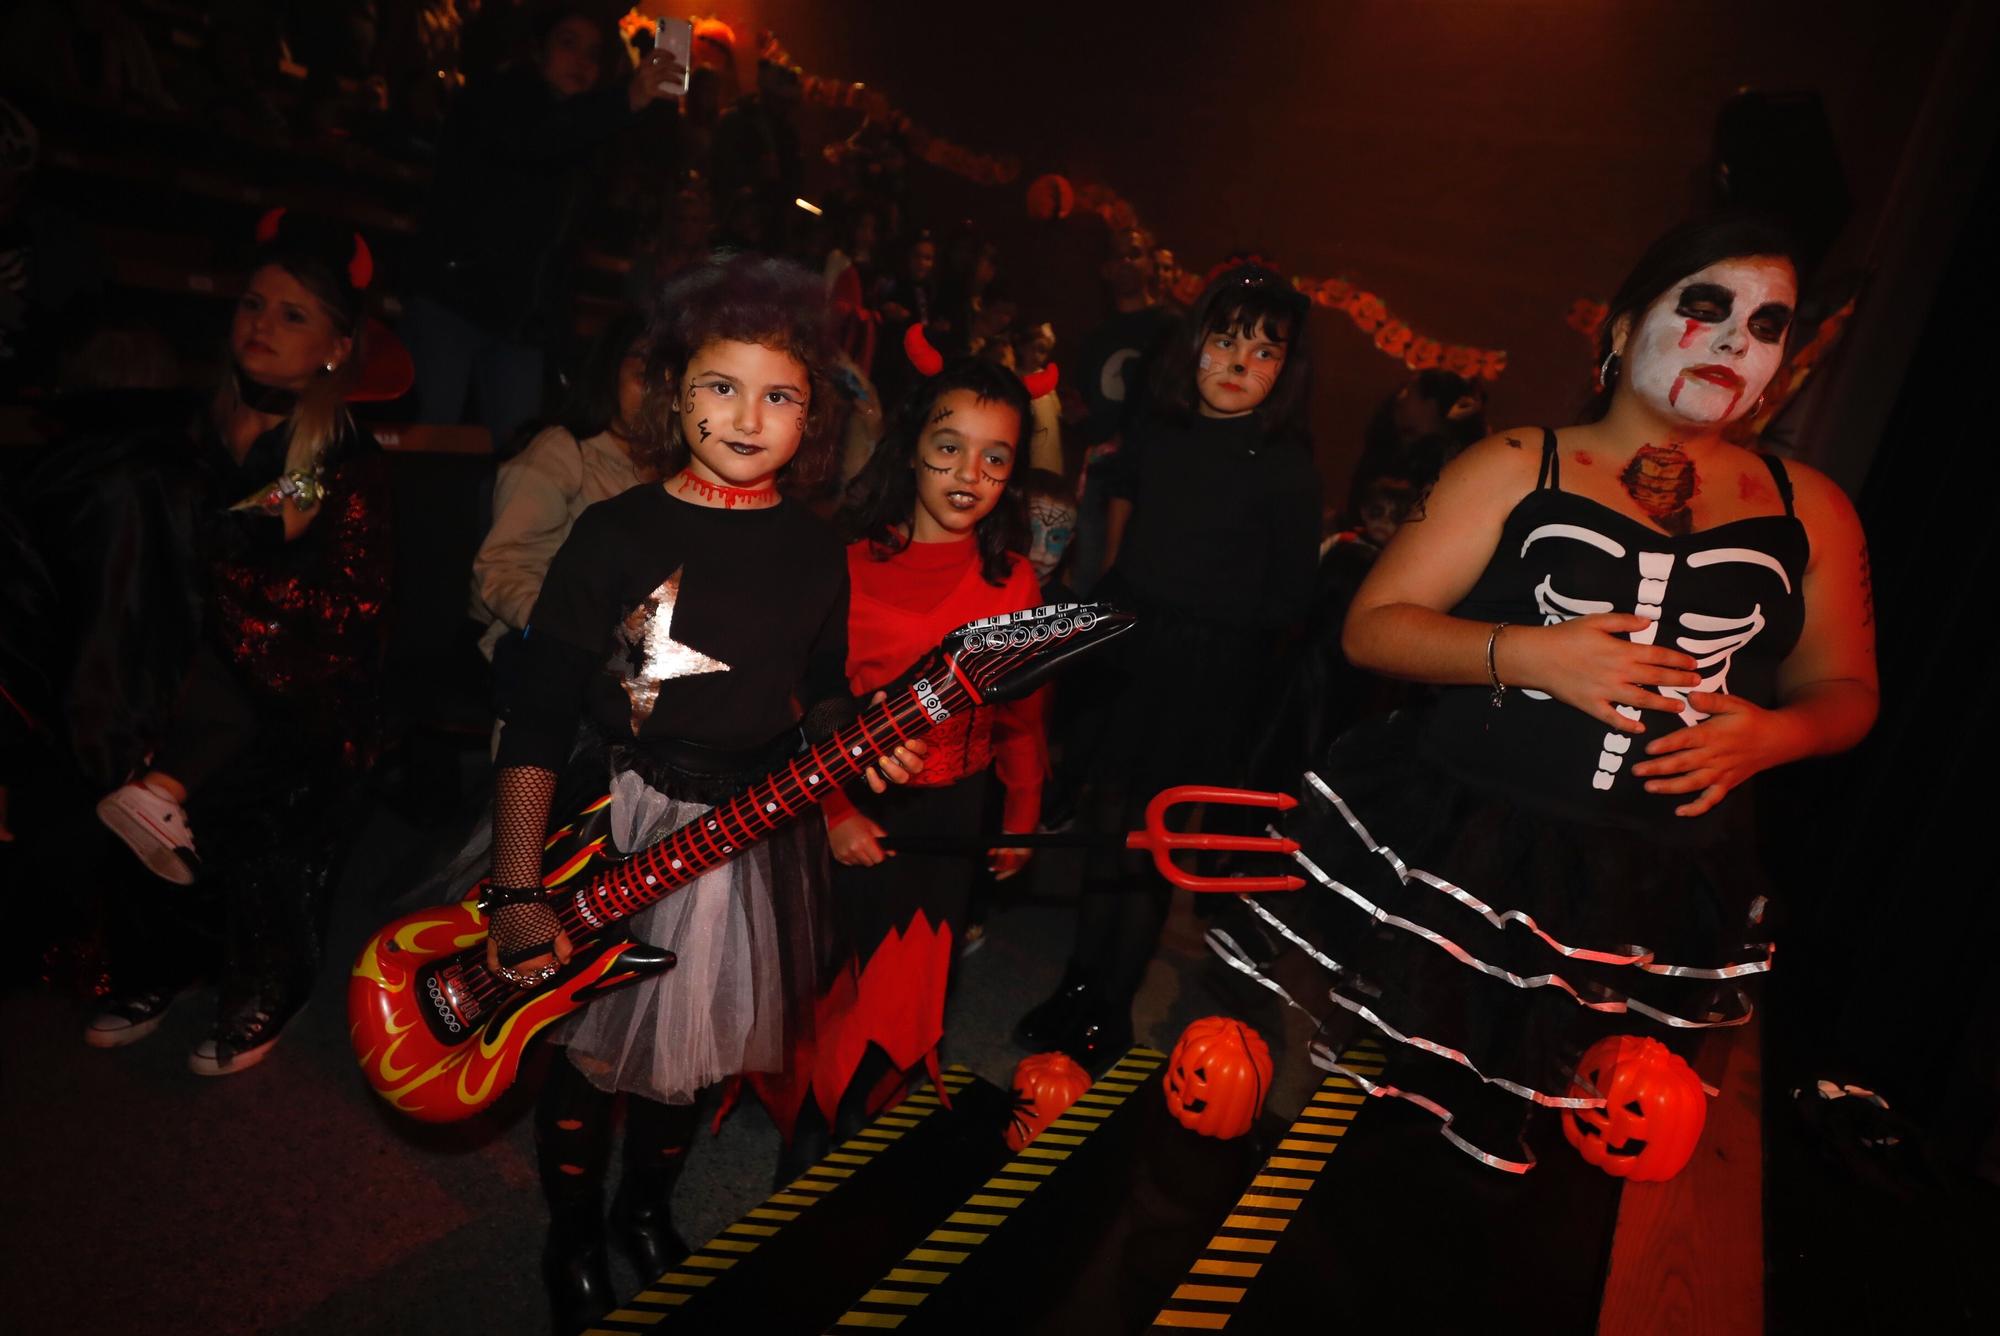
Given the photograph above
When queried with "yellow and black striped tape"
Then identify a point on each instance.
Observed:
(1222, 1275)
(930, 1264)
(701, 1268)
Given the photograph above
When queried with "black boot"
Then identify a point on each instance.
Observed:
(572, 1143)
(657, 1137)
(576, 1271)
(1100, 1036)
(1050, 1021)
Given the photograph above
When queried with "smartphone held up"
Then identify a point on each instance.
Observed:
(676, 36)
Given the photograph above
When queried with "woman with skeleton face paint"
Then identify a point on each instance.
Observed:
(1214, 538)
(1626, 621)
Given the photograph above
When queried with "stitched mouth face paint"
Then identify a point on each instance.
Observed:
(742, 413)
(1705, 349)
(965, 457)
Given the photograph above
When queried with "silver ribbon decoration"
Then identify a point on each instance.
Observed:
(1637, 957)
(1615, 1004)
(1324, 1058)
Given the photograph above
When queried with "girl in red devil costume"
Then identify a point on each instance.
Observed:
(683, 628)
(937, 515)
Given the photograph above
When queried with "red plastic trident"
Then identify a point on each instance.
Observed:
(1163, 843)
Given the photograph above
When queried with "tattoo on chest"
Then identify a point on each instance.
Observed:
(1661, 479)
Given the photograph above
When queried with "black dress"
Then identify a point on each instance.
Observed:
(685, 639)
(1217, 560)
(1495, 888)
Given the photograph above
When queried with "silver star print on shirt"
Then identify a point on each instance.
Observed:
(649, 657)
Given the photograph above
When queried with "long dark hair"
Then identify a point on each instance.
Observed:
(882, 499)
(591, 406)
(1249, 298)
(740, 298)
(1686, 248)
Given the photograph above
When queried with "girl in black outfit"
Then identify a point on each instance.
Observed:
(1214, 535)
(275, 719)
(1628, 619)
(678, 624)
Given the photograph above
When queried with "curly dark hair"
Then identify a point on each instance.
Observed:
(738, 298)
(882, 499)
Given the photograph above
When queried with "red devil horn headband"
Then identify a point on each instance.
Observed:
(360, 261)
(918, 349)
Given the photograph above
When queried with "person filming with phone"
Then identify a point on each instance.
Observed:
(492, 289)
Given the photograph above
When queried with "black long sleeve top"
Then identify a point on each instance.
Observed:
(663, 619)
(1225, 521)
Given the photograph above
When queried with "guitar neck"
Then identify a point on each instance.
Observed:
(712, 839)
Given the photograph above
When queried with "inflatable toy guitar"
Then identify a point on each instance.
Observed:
(440, 1037)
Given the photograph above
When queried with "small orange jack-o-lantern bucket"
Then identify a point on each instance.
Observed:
(1217, 1077)
(1045, 1085)
(1654, 1109)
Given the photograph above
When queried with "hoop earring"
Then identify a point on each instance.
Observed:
(1604, 370)
(1757, 407)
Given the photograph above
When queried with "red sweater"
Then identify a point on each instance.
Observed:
(901, 608)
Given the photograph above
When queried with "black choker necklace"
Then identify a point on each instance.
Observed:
(262, 398)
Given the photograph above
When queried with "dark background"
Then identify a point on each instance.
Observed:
(1479, 164)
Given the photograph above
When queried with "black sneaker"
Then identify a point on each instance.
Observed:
(126, 1018)
(244, 1032)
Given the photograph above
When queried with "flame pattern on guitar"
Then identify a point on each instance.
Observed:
(441, 1037)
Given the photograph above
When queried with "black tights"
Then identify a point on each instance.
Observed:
(573, 1142)
(1118, 923)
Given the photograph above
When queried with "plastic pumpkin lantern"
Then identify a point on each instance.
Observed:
(1217, 1077)
(1654, 1109)
(1045, 1085)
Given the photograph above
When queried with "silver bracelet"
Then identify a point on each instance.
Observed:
(1493, 673)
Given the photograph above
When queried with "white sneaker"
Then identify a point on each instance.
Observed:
(129, 1017)
(155, 828)
(243, 1035)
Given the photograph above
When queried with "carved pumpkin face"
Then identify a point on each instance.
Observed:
(1045, 1085)
(1654, 1109)
(1217, 1077)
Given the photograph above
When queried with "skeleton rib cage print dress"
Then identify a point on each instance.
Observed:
(1492, 888)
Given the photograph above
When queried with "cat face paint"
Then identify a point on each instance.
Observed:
(1705, 349)
(1236, 370)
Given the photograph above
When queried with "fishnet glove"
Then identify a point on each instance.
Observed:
(522, 928)
(521, 924)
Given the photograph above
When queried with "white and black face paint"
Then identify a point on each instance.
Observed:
(1704, 351)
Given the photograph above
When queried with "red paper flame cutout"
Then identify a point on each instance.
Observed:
(267, 226)
(918, 349)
